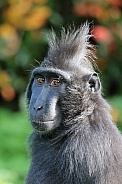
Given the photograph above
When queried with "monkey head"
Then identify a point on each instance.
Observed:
(65, 84)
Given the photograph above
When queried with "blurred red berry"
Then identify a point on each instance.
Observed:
(102, 34)
(115, 2)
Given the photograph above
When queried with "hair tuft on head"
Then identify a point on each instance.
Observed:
(71, 48)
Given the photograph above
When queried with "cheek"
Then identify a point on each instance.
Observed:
(31, 105)
(58, 117)
(33, 100)
(51, 107)
(32, 113)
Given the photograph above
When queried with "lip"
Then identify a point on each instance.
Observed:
(42, 126)
(43, 122)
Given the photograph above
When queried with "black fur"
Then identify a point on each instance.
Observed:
(87, 147)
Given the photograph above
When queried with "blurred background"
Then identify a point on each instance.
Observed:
(23, 24)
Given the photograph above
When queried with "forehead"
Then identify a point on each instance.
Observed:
(50, 72)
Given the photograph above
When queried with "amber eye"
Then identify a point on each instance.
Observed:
(55, 82)
(40, 80)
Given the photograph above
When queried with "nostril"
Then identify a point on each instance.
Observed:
(40, 107)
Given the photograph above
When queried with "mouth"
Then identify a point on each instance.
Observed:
(43, 126)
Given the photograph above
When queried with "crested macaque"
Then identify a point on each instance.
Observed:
(74, 140)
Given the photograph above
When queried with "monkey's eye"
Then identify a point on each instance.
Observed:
(55, 82)
(40, 80)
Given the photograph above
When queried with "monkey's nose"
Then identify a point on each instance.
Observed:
(38, 108)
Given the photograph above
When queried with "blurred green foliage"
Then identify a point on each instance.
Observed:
(14, 130)
(23, 25)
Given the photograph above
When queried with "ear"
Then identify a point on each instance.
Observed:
(94, 82)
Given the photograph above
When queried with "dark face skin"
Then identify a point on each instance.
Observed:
(47, 88)
(44, 108)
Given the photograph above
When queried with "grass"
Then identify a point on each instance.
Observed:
(14, 130)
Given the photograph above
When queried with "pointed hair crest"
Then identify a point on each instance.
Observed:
(72, 48)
